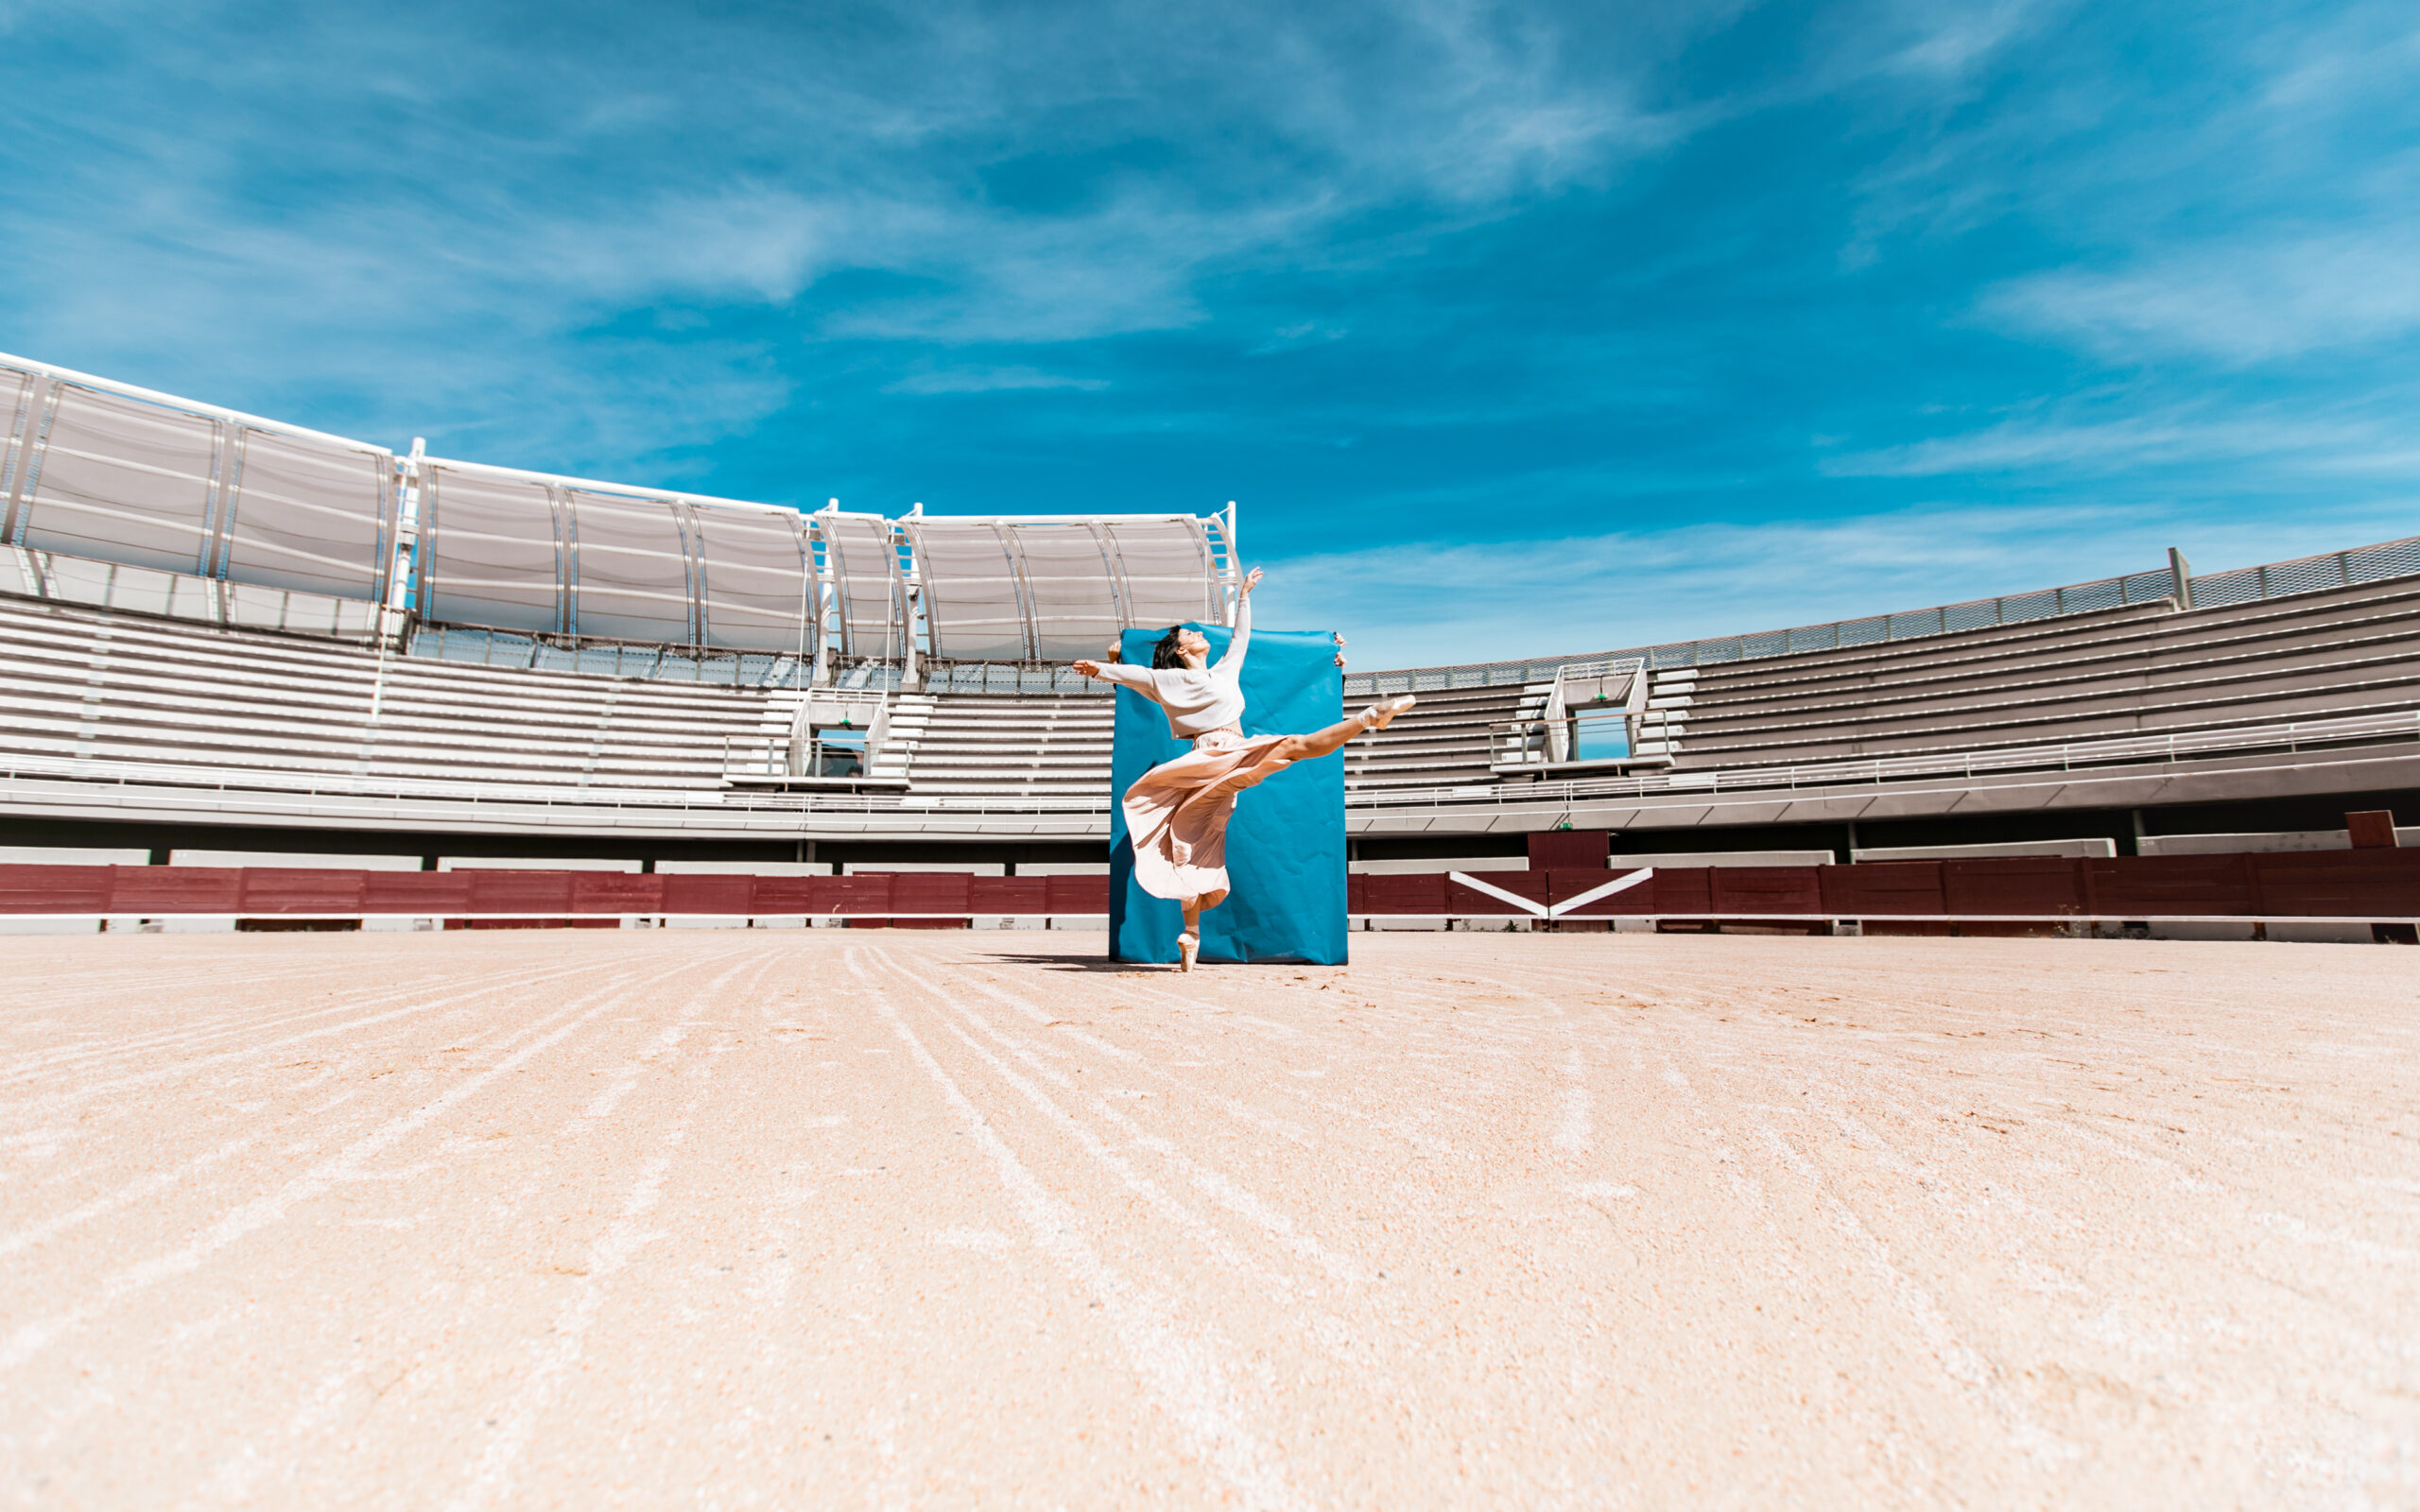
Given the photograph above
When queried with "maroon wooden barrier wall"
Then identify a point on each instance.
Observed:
(272, 891)
(2375, 884)
(2378, 884)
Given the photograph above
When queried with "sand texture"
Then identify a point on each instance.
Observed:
(875, 1219)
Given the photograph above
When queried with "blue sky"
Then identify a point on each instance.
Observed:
(1514, 328)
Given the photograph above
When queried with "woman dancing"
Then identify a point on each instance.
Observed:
(1176, 812)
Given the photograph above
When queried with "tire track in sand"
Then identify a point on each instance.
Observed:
(262, 1213)
(1185, 1379)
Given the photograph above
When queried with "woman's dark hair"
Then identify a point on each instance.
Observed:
(1168, 653)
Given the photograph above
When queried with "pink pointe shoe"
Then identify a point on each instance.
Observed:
(1187, 947)
(1379, 715)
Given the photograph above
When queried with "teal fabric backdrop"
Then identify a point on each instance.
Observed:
(1285, 844)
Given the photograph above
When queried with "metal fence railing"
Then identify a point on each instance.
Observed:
(2304, 574)
(675, 664)
(611, 659)
(1835, 635)
(2066, 756)
(2308, 574)
(1005, 677)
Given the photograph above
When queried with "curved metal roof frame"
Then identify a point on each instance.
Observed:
(544, 554)
(108, 471)
(1028, 588)
(105, 471)
(866, 615)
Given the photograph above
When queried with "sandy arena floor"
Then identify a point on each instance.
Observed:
(879, 1219)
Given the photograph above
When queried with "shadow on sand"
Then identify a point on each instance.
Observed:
(1072, 962)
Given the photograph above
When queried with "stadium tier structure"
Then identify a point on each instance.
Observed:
(232, 641)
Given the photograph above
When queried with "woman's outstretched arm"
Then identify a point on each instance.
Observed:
(1134, 677)
(1242, 637)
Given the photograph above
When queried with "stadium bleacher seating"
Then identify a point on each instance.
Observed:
(116, 694)
(315, 638)
(1443, 743)
(1007, 747)
(2131, 671)
(93, 686)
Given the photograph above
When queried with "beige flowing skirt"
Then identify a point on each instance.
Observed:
(1177, 814)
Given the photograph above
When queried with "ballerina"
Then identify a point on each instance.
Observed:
(1176, 812)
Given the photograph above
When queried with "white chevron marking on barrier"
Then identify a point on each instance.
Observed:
(1557, 910)
(1493, 891)
(1618, 884)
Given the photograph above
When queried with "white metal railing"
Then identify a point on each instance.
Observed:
(2290, 736)
(1835, 635)
(747, 669)
(754, 759)
(271, 781)
(2066, 756)
(827, 729)
(64, 580)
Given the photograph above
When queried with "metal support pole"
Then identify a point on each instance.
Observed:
(391, 614)
(911, 582)
(2180, 576)
(806, 586)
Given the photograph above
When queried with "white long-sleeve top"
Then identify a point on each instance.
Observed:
(1201, 701)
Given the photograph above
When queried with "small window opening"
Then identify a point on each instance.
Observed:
(836, 750)
(1599, 730)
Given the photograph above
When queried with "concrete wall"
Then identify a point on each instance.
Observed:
(293, 858)
(2204, 845)
(2097, 846)
(531, 863)
(1722, 858)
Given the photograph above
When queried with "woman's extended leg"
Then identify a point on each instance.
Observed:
(1319, 743)
(1189, 945)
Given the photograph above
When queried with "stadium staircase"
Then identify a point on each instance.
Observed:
(983, 746)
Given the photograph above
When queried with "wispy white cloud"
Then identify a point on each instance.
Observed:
(749, 242)
(615, 246)
(1950, 41)
(2360, 55)
(2062, 446)
(430, 226)
(988, 380)
(2239, 302)
(1298, 335)
(2249, 203)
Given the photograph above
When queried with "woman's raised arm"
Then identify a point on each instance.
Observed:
(1242, 637)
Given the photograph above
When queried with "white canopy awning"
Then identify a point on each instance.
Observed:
(1011, 589)
(107, 473)
(110, 473)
